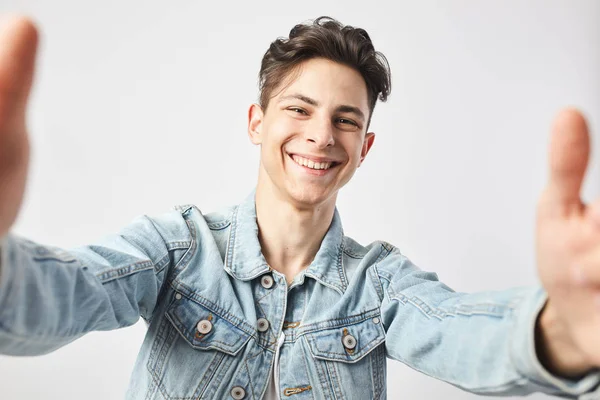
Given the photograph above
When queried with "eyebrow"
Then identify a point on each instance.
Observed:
(344, 108)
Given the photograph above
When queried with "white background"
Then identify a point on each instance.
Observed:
(139, 106)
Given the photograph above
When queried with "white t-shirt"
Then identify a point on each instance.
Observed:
(272, 392)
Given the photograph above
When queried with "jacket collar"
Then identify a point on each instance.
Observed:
(244, 259)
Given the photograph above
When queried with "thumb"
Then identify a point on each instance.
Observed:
(568, 158)
(18, 45)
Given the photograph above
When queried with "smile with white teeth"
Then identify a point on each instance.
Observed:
(310, 163)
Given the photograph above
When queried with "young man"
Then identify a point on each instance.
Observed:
(269, 299)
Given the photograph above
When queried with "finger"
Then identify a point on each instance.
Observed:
(568, 158)
(18, 47)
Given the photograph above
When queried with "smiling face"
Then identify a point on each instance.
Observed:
(313, 133)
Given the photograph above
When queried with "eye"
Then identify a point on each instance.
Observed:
(298, 110)
(347, 121)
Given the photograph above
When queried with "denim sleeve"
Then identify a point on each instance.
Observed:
(50, 296)
(481, 342)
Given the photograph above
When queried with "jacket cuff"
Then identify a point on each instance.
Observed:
(5, 273)
(524, 354)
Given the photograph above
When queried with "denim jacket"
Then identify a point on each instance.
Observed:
(215, 311)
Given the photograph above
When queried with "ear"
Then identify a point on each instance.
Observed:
(369, 139)
(255, 119)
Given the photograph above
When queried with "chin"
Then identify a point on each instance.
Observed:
(307, 198)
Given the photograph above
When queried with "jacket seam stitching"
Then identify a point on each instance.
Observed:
(440, 312)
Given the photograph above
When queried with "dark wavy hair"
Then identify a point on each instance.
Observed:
(326, 38)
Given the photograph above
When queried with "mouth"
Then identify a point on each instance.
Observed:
(318, 166)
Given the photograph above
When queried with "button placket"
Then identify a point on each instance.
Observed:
(281, 294)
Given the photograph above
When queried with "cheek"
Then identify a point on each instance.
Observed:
(353, 148)
(284, 131)
(288, 126)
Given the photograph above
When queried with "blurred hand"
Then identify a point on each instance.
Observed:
(568, 254)
(18, 44)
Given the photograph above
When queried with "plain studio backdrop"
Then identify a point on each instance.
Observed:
(139, 106)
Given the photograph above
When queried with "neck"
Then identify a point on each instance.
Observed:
(290, 236)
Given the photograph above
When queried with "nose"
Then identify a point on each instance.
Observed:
(320, 132)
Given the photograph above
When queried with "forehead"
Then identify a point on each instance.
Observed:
(328, 82)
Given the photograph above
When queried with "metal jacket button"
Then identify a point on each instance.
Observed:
(349, 342)
(267, 281)
(262, 324)
(238, 392)
(204, 326)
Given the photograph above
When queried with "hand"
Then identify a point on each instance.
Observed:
(568, 254)
(18, 44)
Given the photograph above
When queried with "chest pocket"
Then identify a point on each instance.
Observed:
(205, 329)
(196, 348)
(350, 352)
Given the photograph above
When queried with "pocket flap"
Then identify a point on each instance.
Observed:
(224, 335)
(329, 344)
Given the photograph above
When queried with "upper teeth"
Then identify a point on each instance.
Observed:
(310, 163)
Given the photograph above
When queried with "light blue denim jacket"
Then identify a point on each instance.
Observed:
(214, 316)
